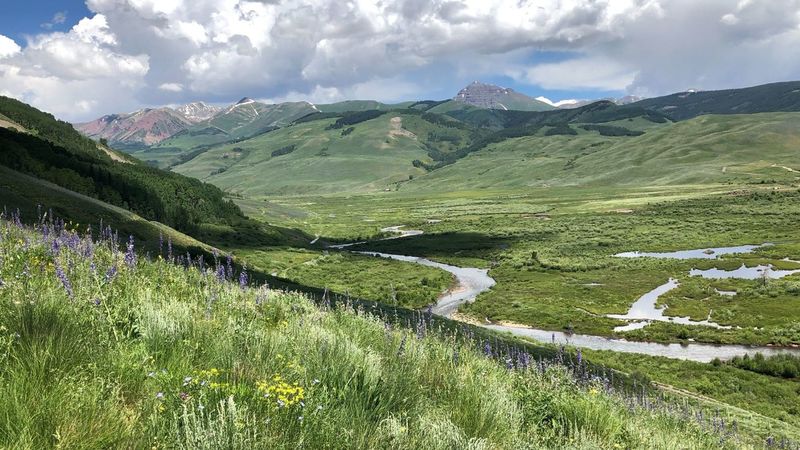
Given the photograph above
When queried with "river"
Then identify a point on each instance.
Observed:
(471, 282)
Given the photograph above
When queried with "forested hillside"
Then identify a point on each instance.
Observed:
(54, 151)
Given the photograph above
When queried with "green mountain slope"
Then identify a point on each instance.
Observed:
(707, 149)
(320, 156)
(774, 97)
(53, 151)
(243, 120)
(360, 105)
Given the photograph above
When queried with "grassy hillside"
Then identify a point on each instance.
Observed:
(313, 157)
(53, 151)
(183, 358)
(774, 97)
(240, 121)
(708, 149)
(359, 105)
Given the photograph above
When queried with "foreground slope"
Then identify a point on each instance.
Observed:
(104, 349)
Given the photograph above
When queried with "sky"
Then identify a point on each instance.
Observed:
(83, 59)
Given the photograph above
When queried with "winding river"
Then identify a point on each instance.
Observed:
(473, 281)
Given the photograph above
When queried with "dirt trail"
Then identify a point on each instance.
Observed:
(11, 125)
(398, 130)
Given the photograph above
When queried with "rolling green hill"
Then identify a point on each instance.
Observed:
(314, 157)
(359, 105)
(774, 97)
(707, 149)
(243, 120)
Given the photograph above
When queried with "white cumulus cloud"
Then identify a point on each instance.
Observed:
(170, 51)
(8, 47)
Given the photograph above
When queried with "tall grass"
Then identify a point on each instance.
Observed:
(101, 348)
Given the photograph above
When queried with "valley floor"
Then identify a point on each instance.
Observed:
(551, 252)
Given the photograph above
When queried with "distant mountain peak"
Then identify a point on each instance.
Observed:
(491, 96)
(245, 101)
(197, 111)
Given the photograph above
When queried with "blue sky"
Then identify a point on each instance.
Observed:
(25, 18)
(80, 60)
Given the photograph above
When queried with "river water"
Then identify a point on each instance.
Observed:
(473, 281)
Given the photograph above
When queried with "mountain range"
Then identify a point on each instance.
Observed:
(246, 117)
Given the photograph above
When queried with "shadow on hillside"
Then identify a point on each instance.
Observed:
(465, 244)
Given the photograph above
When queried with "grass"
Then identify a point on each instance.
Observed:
(545, 247)
(373, 156)
(156, 355)
(386, 281)
(704, 150)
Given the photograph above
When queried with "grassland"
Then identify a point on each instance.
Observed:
(705, 150)
(373, 156)
(547, 247)
(182, 358)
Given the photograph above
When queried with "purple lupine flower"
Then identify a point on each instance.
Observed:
(96, 302)
(169, 248)
(229, 263)
(160, 243)
(64, 280)
(243, 278)
(111, 273)
(220, 273)
(130, 254)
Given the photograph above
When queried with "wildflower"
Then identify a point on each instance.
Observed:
(130, 255)
(96, 302)
(184, 396)
(201, 407)
(111, 273)
(187, 380)
(300, 418)
(169, 249)
(64, 280)
(160, 395)
(151, 374)
(229, 263)
(243, 278)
